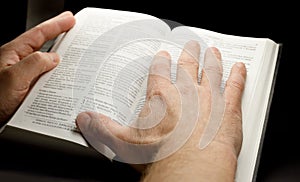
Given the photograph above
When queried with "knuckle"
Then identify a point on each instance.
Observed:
(9, 74)
(13, 81)
(186, 90)
(233, 111)
(38, 30)
(212, 69)
(235, 84)
(159, 68)
(156, 91)
(189, 61)
(36, 56)
(40, 34)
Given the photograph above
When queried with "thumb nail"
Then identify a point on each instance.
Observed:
(54, 57)
(83, 121)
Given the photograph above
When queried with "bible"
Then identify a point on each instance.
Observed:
(105, 70)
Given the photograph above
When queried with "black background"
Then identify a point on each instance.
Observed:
(280, 160)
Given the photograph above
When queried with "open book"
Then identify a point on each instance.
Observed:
(104, 64)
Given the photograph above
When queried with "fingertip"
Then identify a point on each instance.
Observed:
(54, 57)
(191, 51)
(236, 81)
(160, 68)
(93, 123)
(192, 44)
(83, 117)
(83, 121)
(239, 71)
(68, 15)
(240, 67)
(88, 117)
(43, 60)
(164, 54)
(65, 14)
(216, 52)
(213, 68)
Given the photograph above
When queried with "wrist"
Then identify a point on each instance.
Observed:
(219, 162)
(216, 162)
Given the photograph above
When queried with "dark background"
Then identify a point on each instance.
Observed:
(280, 160)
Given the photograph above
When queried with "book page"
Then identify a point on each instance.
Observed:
(104, 67)
(259, 56)
(233, 48)
(102, 47)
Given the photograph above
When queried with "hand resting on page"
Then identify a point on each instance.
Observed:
(155, 141)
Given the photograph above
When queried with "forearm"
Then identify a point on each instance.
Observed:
(193, 164)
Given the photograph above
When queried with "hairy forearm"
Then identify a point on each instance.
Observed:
(193, 164)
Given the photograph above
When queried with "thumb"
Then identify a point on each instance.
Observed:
(97, 125)
(105, 136)
(98, 130)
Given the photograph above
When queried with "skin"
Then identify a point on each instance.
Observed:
(22, 54)
(217, 161)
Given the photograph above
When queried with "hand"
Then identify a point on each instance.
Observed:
(21, 63)
(149, 128)
(218, 158)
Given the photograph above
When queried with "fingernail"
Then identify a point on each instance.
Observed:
(193, 43)
(216, 52)
(65, 14)
(54, 57)
(83, 120)
(240, 64)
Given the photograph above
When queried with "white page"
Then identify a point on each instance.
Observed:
(55, 100)
(257, 54)
(254, 120)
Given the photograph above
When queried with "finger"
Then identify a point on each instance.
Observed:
(101, 132)
(159, 72)
(213, 71)
(99, 129)
(234, 86)
(35, 65)
(161, 66)
(34, 38)
(189, 60)
(233, 112)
